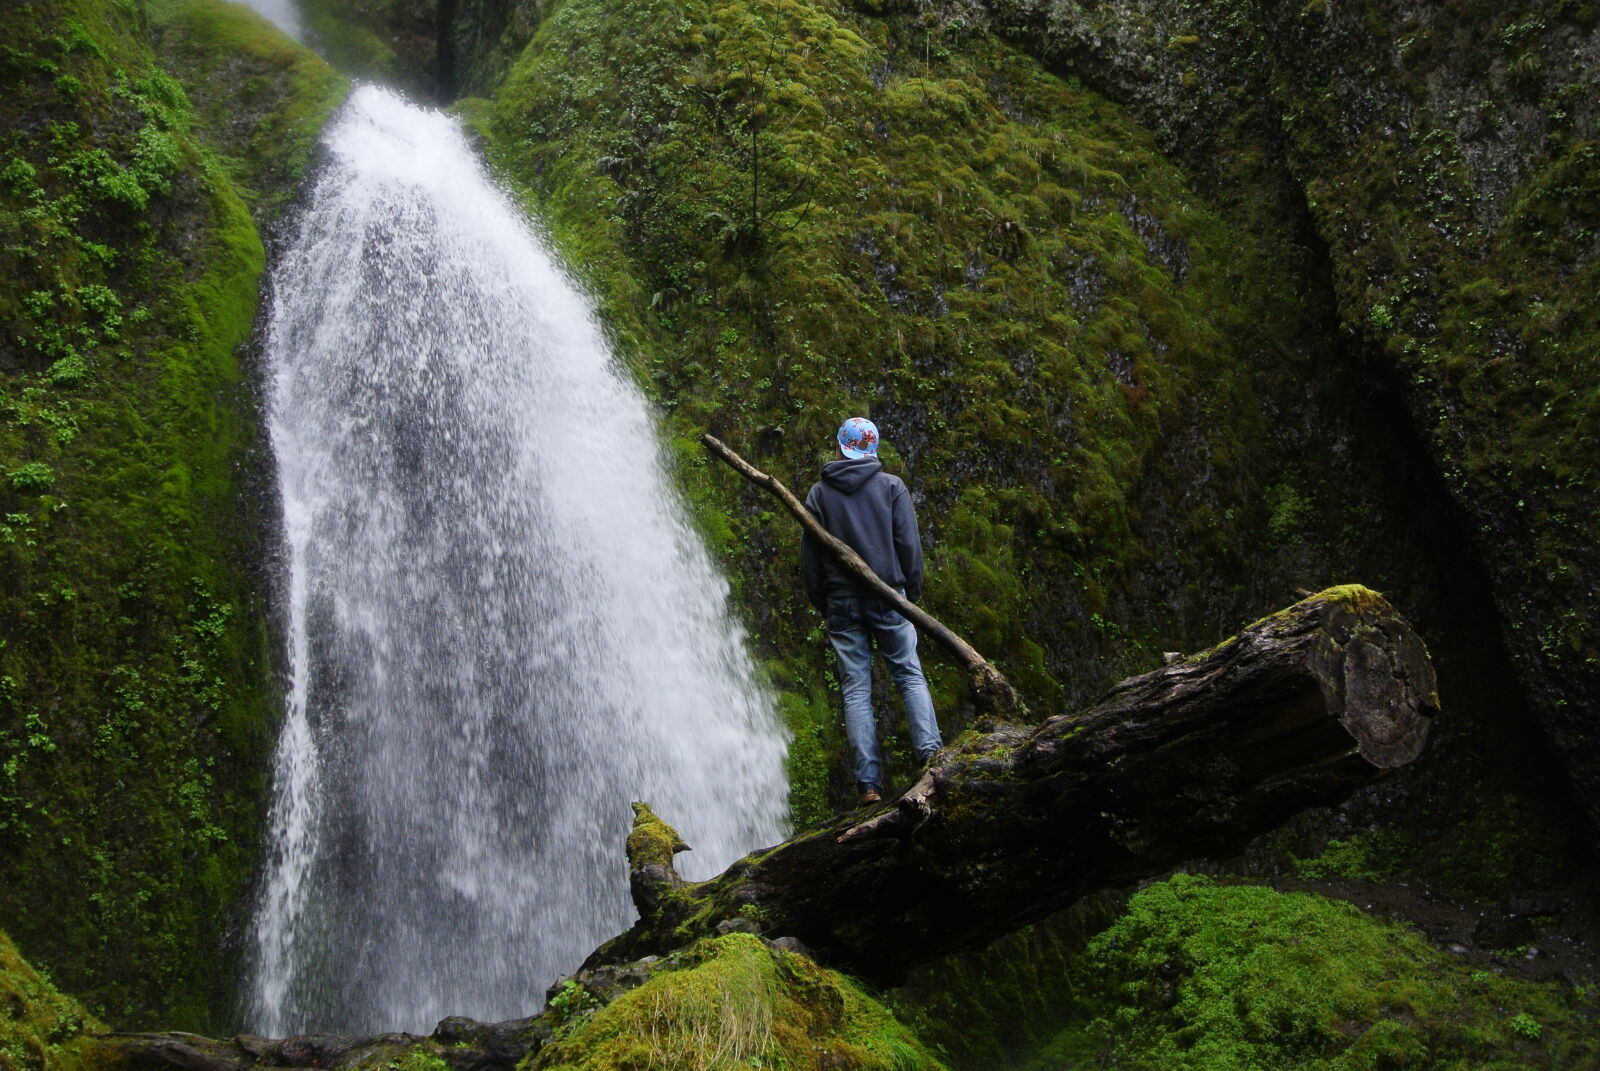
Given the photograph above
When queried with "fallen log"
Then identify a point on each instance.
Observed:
(459, 1043)
(1189, 760)
(992, 694)
(1193, 759)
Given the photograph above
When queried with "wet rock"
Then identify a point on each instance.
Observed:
(312, 1050)
(791, 944)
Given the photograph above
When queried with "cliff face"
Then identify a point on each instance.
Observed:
(1106, 342)
(1166, 309)
(135, 673)
(1475, 284)
(391, 41)
(480, 39)
(1445, 159)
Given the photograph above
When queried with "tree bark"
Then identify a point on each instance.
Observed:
(992, 694)
(461, 1044)
(1192, 759)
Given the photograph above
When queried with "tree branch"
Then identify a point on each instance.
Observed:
(991, 692)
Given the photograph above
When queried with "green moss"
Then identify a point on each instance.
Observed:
(998, 1006)
(793, 211)
(40, 1030)
(1189, 973)
(808, 713)
(389, 41)
(651, 842)
(136, 713)
(734, 1003)
(423, 1057)
(260, 99)
(1197, 975)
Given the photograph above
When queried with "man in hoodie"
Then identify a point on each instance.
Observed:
(859, 503)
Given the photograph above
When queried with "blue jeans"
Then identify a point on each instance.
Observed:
(852, 626)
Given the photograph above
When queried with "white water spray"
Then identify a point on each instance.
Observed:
(501, 631)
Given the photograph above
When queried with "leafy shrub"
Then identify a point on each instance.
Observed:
(34, 477)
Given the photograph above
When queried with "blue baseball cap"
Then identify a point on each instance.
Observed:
(858, 437)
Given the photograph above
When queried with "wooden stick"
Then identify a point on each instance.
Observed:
(991, 692)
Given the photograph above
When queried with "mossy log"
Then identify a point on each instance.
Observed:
(458, 1043)
(1193, 759)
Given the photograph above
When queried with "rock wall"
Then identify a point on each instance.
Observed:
(136, 687)
(480, 40)
(1107, 353)
(1445, 158)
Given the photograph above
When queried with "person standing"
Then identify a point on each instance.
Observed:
(867, 508)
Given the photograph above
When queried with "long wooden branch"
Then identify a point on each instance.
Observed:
(1190, 760)
(991, 692)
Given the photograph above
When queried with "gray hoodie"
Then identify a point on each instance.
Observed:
(871, 511)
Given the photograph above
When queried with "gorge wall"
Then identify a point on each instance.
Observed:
(136, 687)
(1117, 344)
(1445, 160)
(1166, 309)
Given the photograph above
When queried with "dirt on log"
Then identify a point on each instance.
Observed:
(1193, 759)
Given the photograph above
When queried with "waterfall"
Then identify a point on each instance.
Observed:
(501, 630)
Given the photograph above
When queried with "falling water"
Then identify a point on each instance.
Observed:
(501, 630)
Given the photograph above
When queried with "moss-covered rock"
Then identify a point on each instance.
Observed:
(260, 100)
(1445, 157)
(1195, 974)
(1204, 976)
(136, 701)
(40, 1030)
(729, 1002)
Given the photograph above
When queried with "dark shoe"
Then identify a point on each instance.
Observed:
(869, 796)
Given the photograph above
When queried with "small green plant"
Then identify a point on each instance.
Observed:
(69, 371)
(1526, 1025)
(1369, 855)
(572, 1001)
(34, 477)
(1289, 511)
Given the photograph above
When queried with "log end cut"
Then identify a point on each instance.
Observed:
(1377, 678)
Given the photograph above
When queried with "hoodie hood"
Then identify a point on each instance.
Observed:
(849, 476)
